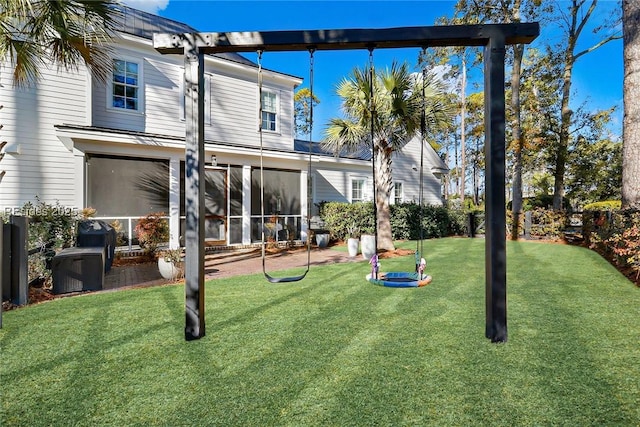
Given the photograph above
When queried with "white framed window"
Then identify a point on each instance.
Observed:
(207, 97)
(125, 91)
(398, 192)
(357, 189)
(269, 111)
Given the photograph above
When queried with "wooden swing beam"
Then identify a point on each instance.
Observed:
(493, 37)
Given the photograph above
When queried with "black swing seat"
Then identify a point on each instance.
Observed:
(272, 279)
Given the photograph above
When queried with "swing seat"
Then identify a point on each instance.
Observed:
(400, 280)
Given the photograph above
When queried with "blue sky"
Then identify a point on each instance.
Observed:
(597, 76)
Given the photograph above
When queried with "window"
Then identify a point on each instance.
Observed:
(398, 194)
(269, 110)
(281, 192)
(357, 190)
(125, 87)
(282, 204)
(127, 186)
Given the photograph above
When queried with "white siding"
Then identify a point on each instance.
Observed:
(45, 167)
(332, 180)
(48, 169)
(333, 183)
(231, 98)
(403, 164)
(163, 83)
(234, 114)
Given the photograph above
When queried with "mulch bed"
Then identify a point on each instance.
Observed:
(628, 272)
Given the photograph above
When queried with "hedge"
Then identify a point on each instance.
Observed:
(345, 220)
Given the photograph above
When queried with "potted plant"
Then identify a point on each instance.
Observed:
(322, 238)
(353, 241)
(171, 264)
(368, 244)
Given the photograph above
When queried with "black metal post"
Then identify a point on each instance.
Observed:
(194, 192)
(19, 259)
(5, 267)
(471, 224)
(495, 210)
(2, 267)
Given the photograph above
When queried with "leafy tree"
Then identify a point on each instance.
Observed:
(541, 92)
(573, 23)
(631, 144)
(303, 101)
(475, 131)
(458, 61)
(507, 11)
(594, 171)
(66, 32)
(382, 111)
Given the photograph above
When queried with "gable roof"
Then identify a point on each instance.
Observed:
(144, 24)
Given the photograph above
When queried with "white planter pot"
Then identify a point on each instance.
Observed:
(322, 240)
(169, 270)
(368, 246)
(352, 245)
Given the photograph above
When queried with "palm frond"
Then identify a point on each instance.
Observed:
(68, 32)
(344, 136)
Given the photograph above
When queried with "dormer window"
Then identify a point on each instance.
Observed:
(125, 86)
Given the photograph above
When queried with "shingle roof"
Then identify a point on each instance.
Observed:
(144, 24)
(302, 146)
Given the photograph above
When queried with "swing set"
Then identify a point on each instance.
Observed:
(493, 37)
(393, 279)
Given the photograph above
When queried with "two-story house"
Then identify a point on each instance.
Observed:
(119, 147)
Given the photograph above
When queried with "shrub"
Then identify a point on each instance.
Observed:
(607, 205)
(616, 235)
(545, 223)
(52, 227)
(625, 243)
(407, 220)
(341, 218)
(152, 230)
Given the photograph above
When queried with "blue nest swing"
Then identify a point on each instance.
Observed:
(399, 279)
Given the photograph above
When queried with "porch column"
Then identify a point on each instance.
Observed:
(79, 195)
(246, 205)
(304, 203)
(174, 203)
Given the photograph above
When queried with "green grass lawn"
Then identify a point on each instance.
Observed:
(334, 350)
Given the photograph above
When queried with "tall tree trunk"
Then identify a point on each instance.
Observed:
(516, 204)
(384, 186)
(563, 141)
(631, 124)
(577, 20)
(447, 180)
(463, 139)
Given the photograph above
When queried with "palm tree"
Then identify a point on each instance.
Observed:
(67, 32)
(383, 114)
